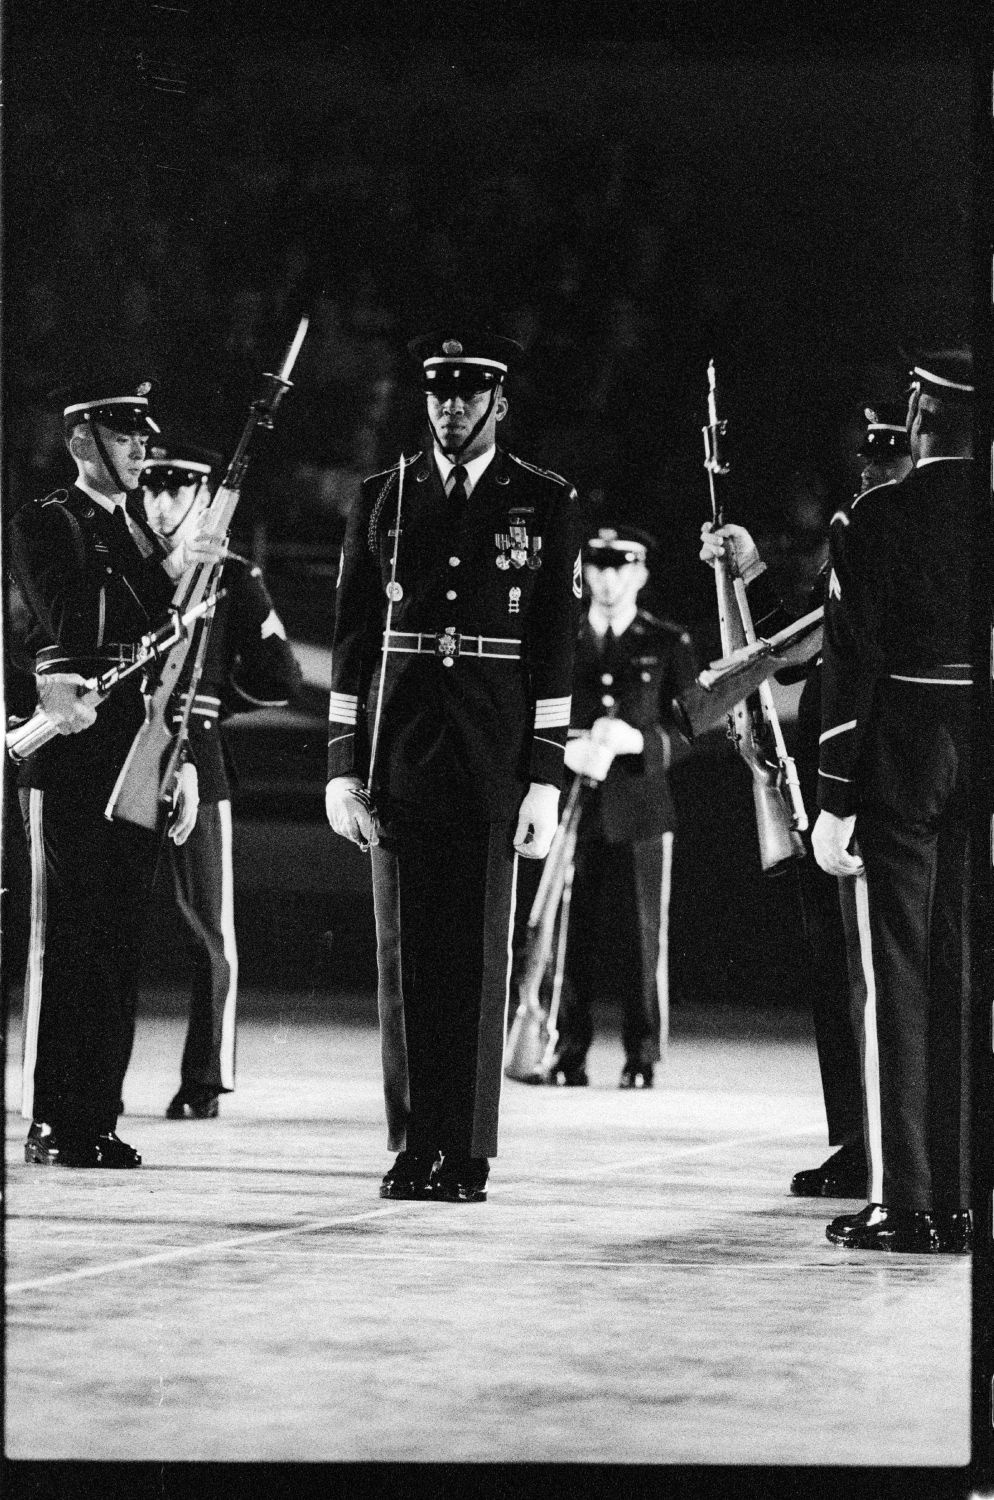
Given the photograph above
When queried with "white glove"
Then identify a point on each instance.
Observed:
(347, 813)
(186, 803)
(584, 758)
(538, 819)
(202, 547)
(734, 542)
(830, 839)
(65, 698)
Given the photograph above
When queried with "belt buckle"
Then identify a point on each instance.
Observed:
(447, 646)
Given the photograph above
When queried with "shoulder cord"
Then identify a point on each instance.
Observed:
(377, 511)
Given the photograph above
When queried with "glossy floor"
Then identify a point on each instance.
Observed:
(638, 1288)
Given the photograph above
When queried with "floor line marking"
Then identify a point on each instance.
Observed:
(186, 1251)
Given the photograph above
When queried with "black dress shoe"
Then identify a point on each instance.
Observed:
(878, 1228)
(44, 1148)
(460, 1179)
(115, 1153)
(410, 1175)
(567, 1076)
(190, 1104)
(636, 1076)
(955, 1231)
(843, 1175)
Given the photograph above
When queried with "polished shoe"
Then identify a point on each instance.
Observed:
(410, 1175)
(43, 1148)
(115, 1153)
(955, 1231)
(636, 1076)
(460, 1179)
(878, 1228)
(566, 1076)
(843, 1175)
(190, 1104)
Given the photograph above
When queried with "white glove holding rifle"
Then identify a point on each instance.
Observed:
(348, 811)
(68, 700)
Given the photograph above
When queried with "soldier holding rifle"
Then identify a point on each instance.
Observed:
(884, 449)
(246, 664)
(451, 676)
(895, 793)
(94, 580)
(624, 736)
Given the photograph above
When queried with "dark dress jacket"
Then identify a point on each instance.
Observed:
(637, 677)
(460, 736)
(88, 586)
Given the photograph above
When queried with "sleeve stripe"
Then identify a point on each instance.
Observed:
(340, 737)
(552, 713)
(554, 743)
(342, 708)
(839, 729)
(829, 777)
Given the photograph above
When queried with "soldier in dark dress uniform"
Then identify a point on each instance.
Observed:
(451, 676)
(248, 664)
(895, 785)
(94, 580)
(884, 451)
(624, 735)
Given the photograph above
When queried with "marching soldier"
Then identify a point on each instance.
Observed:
(247, 664)
(451, 674)
(624, 735)
(895, 799)
(94, 580)
(885, 455)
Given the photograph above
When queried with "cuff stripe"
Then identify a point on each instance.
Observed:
(839, 729)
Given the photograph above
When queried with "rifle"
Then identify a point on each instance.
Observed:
(753, 725)
(24, 738)
(142, 786)
(531, 1042)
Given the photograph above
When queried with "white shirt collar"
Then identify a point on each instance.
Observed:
(599, 620)
(474, 467)
(944, 458)
(103, 500)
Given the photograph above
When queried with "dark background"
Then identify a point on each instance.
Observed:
(629, 200)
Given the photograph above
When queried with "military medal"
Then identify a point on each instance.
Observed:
(513, 600)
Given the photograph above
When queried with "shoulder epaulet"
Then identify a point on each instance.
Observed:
(534, 469)
(653, 622)
(394, 468)
(57, 497)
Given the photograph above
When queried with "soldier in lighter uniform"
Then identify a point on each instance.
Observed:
(452, 661)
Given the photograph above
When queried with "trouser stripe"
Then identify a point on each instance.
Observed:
(663, 961)
(36, 951)
(510, 962)
(871, 1051)
(227, 1054)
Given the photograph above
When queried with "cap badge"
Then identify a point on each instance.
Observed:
(144, 388)
(452, 346)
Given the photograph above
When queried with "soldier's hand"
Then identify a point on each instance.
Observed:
(186, 803)
(584, 758)
(68, 700)
(538, 819)
(348, 813)
(203, 547)
(618, 736)
(830, 840)
(731, 543)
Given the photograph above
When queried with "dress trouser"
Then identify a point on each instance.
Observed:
(444, 906)
(204, 884)
(90, 884)
(624, 888)
(831, 1002)
(907, 934)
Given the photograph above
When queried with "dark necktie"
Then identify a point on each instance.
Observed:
(457, 494)
(128, 528)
